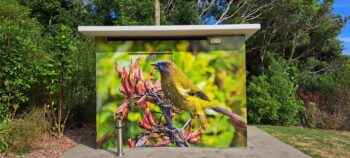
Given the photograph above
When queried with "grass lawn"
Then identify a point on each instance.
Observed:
(316, 143)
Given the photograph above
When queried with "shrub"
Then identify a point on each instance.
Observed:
(21, 133)
(19, 46)
(271, 97)
(261, 105)
(327, 97)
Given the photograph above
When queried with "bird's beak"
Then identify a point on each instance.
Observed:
(155, 64)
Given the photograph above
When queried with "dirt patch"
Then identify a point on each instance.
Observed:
(302, 144)
(339, 132)
(326, 130)
(313, 148)
(50, 146)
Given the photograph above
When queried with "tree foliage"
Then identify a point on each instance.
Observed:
(326, 95)
(296, 30)
(20, 40)
(302, 34)
(272, 96)
(46, 61)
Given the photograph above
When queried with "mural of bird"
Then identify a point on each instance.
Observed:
(184, 95)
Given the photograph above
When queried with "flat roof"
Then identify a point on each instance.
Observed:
(169, 30)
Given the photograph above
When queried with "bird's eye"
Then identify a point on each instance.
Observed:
(164, 64)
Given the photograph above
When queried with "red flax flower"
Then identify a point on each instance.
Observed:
(192, 137)
(134, 87)
(139, 91)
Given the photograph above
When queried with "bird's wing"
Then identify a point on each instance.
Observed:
(183, 91)
(191, 92)
(199, 94)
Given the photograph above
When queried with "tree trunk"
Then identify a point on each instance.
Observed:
(60, 132)
(157, 12)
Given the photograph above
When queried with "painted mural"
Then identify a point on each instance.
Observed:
(172, 92)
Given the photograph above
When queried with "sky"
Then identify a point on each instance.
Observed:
(342, 7)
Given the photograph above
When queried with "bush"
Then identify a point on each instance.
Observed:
(327, 97)
(261, 105)
(20, 44)
(271, 97)
(21, 133)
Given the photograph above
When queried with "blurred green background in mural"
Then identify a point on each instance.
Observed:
(220, 73)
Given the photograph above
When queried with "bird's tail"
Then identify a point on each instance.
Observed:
(237, 121)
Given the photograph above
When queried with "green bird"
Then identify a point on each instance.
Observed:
(184, 95)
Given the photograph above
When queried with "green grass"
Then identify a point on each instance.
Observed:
(316, 143)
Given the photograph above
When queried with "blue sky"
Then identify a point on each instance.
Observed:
(342, 7)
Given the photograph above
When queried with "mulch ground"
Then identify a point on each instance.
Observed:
(49, 146)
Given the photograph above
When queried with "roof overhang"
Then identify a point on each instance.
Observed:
(169, 30)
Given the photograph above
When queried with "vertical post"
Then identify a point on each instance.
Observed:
(157, 12)
(119, 126)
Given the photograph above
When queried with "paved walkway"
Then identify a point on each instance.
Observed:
(260, 144)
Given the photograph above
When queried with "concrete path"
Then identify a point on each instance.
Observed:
(260, 145)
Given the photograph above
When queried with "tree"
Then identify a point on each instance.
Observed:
(57, 71)
(67, 69)
(297, 30)
(157, 12)
(20, 40)
(326, 94)
(232, 12)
